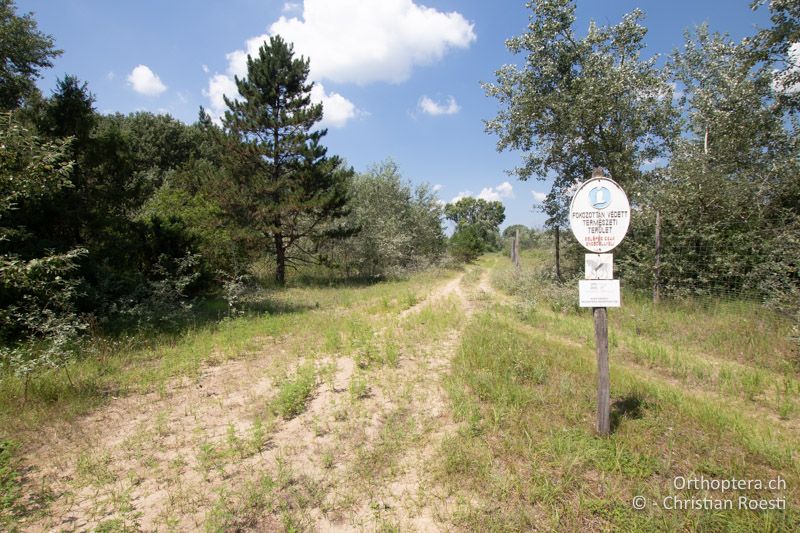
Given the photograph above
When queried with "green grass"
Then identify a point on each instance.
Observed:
(699, 389)
(9, 477)
(313, 319)
(294, 392)
(691, 383)
(528, 454)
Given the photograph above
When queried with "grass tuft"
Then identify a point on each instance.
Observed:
(295, 392)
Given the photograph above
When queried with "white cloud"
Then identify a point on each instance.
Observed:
(205, 68)
(353, 41)
(336, 109)
(506, 190)
(490, 194)
(363, 41)
(110, 75)
(539, 196)
(459, 196)
(496, 194)
(219, 86)
(435, 108)
(145, 81)
(438, 187)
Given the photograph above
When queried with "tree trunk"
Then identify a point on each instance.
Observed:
(280, 260)
(558, 255)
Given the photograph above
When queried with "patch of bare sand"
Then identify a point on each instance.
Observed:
(138, 455)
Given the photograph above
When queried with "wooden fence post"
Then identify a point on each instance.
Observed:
(603, 377)
(657, 266)
(558, 256)
(516, 249)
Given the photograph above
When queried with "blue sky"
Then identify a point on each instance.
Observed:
(399, 78)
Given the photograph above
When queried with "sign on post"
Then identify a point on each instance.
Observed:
(599, 293)
(599, 216)
(599, 266)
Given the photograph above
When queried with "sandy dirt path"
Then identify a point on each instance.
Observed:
(199, 453)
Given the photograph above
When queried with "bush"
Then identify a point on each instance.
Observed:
(164, 300)
(538, 285)
(467, 244)
(39, 324)
(400, 226)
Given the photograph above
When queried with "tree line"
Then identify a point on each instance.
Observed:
(116, 222)
(704, 141)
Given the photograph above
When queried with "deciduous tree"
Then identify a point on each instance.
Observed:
(24, 51)
(576, 103)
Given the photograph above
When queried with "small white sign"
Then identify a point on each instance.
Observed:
(599, 293)
(599, 266)
(599, 214)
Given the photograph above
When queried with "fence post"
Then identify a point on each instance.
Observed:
(657, 266)
(558, 257)
(516, 249)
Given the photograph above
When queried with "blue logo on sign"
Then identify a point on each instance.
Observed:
(600, 197)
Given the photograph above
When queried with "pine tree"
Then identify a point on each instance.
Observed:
(287, 186)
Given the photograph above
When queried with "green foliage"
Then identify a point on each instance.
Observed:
(25, 51)
(36, 292)
(40, 323)
(9, 477)
(163, 299)
(477, 222)
(579, 103)
(30, 168)
(295, 392)
(528, 237)
(470, 211)
(69, 111)
(201, 219)
(467, 243)
(400, 226)
(774, 48)
(283, 183)
(729, 197)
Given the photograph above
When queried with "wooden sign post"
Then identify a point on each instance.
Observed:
(603, 372)
(599, 215)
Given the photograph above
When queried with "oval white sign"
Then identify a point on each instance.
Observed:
(599, 214)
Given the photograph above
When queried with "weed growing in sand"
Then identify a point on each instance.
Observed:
(294, 393)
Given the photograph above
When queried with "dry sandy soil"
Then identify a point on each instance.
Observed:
(359, 458)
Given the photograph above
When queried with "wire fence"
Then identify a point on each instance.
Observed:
(691, 268)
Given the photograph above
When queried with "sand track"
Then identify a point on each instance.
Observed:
(163, 461)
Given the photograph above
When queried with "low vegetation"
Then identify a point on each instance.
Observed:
(684, 406)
